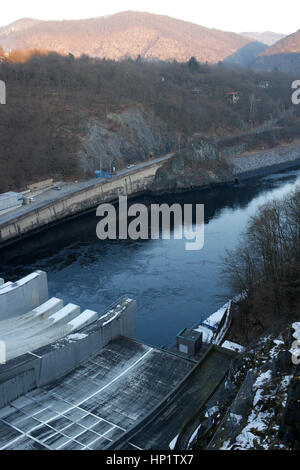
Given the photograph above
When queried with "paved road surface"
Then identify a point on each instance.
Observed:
(69, 188)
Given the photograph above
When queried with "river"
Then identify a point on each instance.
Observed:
(174, 288)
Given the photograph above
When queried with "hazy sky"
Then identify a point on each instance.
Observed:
(229, 15)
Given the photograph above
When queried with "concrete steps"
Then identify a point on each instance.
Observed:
(64, 322)
(43, 311)
(34, 327)
(43, 323)
(24, 295)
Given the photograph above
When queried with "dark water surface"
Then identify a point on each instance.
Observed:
(174, 288)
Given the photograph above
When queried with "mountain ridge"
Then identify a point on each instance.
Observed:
(266, 37)
(125, 34)
(284, 55)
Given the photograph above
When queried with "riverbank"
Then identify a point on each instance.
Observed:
(264, 162)
(46, 213)
(150, 179)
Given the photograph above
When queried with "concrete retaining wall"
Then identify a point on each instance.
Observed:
(75, 203)
(17, 386)
(266, 161)
(65, 355)
(267, 170)
(24, 295)
(47, 364)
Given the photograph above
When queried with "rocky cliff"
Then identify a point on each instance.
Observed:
(126, 137)
(199, 165)
(257, 406)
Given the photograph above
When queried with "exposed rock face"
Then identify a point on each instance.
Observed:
(126, 137)
(197, 166)
(261, 410)
(290, 427)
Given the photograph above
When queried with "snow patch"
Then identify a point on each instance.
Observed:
(296, 327)
(207, 334)
(211, 411)
(76, 336)
(233, 346)
(236, 418)
(173, 442)
(263, 378)
(193, 436)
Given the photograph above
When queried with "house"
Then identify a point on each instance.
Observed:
(263, 84)
(233, 97)
(196, 91)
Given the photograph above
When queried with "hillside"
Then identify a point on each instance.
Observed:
(17, 26)
(257, 407)
(245, 56)
(284, 55)
(266, 37)
(122, 35)
(62, 112)
(289, 44)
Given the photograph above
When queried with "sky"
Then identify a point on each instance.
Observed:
(228, 15)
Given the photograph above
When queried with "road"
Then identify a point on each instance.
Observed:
(69, 188)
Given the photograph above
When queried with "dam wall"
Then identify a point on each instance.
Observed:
(44, 215)
(49, 363)
(24, 295)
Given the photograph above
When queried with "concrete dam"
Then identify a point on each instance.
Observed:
(81, 380)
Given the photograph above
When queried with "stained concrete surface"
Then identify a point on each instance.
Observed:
(191, 397)
(24, 295)
(96, 403)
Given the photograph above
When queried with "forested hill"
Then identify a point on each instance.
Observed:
(122, 35)
(283, 55)
(54, 101)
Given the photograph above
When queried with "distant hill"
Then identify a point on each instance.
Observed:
(122, 35)
(245, 56)
(289, 44)
(17, 26)
(266, 37)
(284, 55)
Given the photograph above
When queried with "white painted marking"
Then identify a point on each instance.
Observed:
(59, 414)
(33, 354)
(133, 445)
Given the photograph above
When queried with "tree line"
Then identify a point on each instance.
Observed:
(265, 267)
(51, 97)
